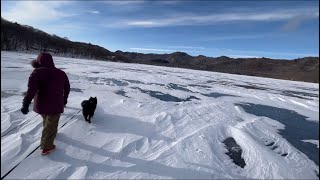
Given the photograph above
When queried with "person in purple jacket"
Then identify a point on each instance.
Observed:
(49, 87)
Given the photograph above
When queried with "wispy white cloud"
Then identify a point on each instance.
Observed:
(172, 49)
(152, 49)
(30, 12)
(169, 2)
(233, 52)
(236, 37)
(195, 19)
(94, 12)
(187, 47)
(123, 3)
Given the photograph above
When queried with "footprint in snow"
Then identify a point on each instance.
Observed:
(201, 153)
(92, 132)
(273, 147)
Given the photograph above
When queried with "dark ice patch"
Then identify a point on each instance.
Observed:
(221, 82)
(178, 87)
(299, 94)
(157, 84)
(255, 83)
(5, 94)
(121, 92)
(92, 79)
(165, 97)
(239, 119)
(199, 85)
(185, 78)
(297, 127)
(76, 90)
(161, 73)
(274, 147)
(95, 72)
(234, 152)
(308, 89)
(135, 70)
(107, 81)
(252, 87)
(116, 82)
(212, 81)
(216, 95)
(270, 144)
(12, 67)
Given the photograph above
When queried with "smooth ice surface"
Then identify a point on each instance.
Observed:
(159, 122)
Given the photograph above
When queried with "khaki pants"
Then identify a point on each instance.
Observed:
(50, 128)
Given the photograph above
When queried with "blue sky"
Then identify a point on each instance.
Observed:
(275, 29)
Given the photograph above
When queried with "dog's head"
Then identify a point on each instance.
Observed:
(93, 100)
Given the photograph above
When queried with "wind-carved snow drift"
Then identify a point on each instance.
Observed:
(159, 122)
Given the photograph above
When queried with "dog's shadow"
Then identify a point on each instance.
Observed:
(108, 123)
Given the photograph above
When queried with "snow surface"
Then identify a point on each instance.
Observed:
(316, 142)
(160, 122)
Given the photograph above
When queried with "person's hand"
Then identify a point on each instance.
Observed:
(25, 110)
(25, 106)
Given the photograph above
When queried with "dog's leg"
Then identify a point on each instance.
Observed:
(84, 115)
(89, 119)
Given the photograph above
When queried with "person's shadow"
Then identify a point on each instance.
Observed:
(106, 123)
(138, 165)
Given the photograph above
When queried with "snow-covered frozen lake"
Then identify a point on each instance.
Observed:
(159, 122)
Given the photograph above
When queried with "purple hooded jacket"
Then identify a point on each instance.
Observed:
(48, 86)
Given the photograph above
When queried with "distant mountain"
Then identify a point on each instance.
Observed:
(16, 37)
(302, 69)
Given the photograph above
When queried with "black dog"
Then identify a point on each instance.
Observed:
(88, 108)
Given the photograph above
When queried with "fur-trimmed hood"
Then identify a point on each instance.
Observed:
(43, 60)
(34, 63)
